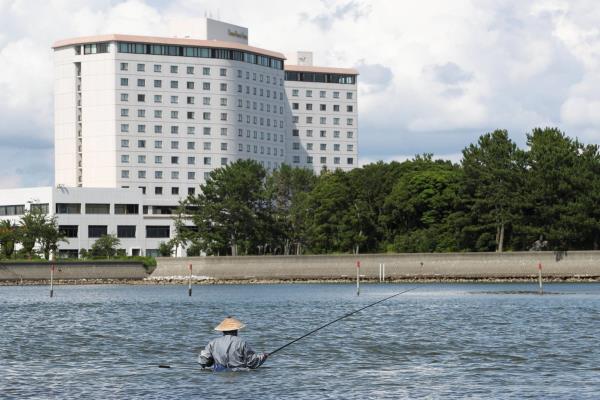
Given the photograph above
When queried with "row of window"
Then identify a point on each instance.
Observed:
(96, 208)
(320, 77)
(207, 146)
(322, 133)
(123, 231)
(323, 160)
(323, 107)
(322, 94)
(202, 52)
(322, 146)
(19, 209)
(206, 101)
(322, 120)
(191, 175)
(206, 71)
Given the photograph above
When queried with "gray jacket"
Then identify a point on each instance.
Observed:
(230, 352)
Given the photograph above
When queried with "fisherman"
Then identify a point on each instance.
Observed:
(229, 352)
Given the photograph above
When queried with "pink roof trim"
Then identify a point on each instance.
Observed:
(325, 70)
(167, 41)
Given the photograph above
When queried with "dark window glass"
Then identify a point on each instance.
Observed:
(96, 208)
(39, 207)
(69, 231)
(68, 208)
(155, 231)
(96, 231)
(127, 209)
(126, 231)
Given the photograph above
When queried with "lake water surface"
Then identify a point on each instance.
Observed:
(438, 341)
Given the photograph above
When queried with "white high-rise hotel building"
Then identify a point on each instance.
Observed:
(160, 113)
(147, 118)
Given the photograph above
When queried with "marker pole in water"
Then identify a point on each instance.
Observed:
(52, 281)
(358, 278)
(379, 272)
(383, 272)
(190, 282)
(540, 278)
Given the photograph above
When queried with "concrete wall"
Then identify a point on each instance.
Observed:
(450, 265)
(79, 270)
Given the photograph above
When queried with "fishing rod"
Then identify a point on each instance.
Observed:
(338, 319)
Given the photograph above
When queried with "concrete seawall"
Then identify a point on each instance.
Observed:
(520, 265)
(34, 271)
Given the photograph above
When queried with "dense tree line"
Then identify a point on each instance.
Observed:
(35, 235)
(499, 197)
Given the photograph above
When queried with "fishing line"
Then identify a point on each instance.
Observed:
(339, 319)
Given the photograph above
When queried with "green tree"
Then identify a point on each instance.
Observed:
(563, 188)
(165, 249)
(8, 237)
(494, 173)
(50, 236)
(287, 190)
(232, 211)
(31, 229)
(419, 205)
(105, 246)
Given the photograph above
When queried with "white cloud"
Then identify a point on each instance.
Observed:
(435, 74)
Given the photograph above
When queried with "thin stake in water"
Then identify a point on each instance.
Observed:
(52, 281)
(541, 291)
(358, 278)
(190, 282)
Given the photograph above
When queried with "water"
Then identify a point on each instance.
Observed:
(439, 341)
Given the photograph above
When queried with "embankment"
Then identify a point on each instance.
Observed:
(73, 271)
(575, 265)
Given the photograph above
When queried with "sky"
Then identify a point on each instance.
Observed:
(434, 74)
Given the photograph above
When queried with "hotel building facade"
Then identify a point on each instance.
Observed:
(153, 116)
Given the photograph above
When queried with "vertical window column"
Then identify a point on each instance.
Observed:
(78, 115)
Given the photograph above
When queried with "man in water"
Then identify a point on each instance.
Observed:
(229, 351)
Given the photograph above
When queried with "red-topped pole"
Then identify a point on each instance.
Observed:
(540, 278)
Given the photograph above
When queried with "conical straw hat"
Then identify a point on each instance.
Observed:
(229, 324)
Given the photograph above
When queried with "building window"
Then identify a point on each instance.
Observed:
(295, 92)
(323, 134)
(323, 147)
(309, 93)
(174, 69)
(174, 84)
(191, 145)
(350, 147)
(174, 160)
(124, 158)
(295, 132)
(174, 145)
(350, 160)
(175, 191)
(191, 160)
(124, 143)
(174, 129)
(124, 97)
(190, 85)
(142, 159)
(157, 159)
(96, 231)
(206, 116)
(97, 208)
(69, 231)
(124, 112)
(157, 68)
(125, 231)
(336, 160)
(349, 121)
(322, 94)
(349, 108)
(158, 175)
(125, 128)
(206, 85)
(142, 174)
(190, 70)
(190, 99)
(127, 209)
(336, 134)
(158, 190)
(158, 98)
(141, 82)
(206, 131)
(309, 160)
(156, 231)
(206, 160)
(336, 147)
(190, 115)
(174, 114)
(349, 135)
(42, 208)
(349, 95)
(67, 208)
(124, 67)
(223, 160)
(224, 146)
(157, 83)
(223, 87)
(223, 72)
(174, 99)
(323, 160)
(158, 144)
(141, 67)
(124, 82)
(157, 113)
(141, 144)
(206, 71)
(191, 175)
(309, 106)
(323, 120)
(296, 159)
(17, 210)
(191, 191)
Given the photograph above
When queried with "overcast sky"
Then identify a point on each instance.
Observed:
(434, 75)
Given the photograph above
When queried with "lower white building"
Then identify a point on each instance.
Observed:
(85, 214)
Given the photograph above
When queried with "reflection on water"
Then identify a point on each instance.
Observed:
(439, 341)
